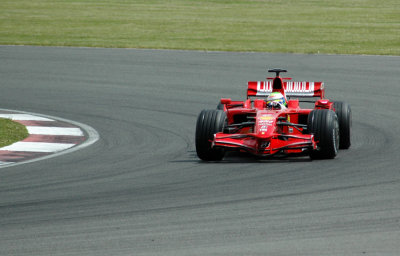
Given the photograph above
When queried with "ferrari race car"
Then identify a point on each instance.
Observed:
(262, 128)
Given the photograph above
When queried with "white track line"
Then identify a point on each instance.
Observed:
(25, 117)
(5, 163)
(42, 130)
(38, 147)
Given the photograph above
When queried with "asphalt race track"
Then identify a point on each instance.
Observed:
(141, 190)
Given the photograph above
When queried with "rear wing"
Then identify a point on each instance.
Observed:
(290, 88)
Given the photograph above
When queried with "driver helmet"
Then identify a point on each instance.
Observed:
(276, 98)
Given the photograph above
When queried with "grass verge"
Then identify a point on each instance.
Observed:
(292, 26)
(11, 132)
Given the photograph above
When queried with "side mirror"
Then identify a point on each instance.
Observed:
(226, 101)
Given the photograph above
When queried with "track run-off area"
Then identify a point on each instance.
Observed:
(141, 190)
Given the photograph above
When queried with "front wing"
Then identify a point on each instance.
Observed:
(265, 146)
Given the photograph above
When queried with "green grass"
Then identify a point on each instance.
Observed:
(293, 26)
(11, 132)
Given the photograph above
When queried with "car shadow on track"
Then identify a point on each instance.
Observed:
(240, 157)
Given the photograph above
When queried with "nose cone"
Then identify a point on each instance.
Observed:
(265, 125)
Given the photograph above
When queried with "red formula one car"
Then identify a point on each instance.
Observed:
(266, 127)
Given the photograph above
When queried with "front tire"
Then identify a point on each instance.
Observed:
(220, 106)
(209, 122)
(343, 112)
(323, 123)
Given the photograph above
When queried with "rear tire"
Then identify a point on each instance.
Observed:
(343, 112)
(323, 123)
(209, 122)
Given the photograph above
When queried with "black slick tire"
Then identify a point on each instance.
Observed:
(343, 112)
(209, 122)
(323, 123)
